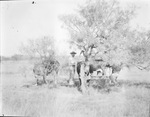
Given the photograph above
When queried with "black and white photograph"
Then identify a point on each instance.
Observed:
(75, 58)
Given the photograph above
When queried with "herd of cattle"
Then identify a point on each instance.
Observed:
(102, 70)
(107, 71)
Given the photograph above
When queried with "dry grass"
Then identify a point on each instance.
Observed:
(21, 97)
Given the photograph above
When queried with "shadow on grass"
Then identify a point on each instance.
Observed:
(65, 83)
(101, 86)
(134, 83)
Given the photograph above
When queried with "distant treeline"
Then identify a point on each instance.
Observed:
(25, 57)
(14, 57)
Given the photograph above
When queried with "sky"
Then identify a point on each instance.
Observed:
(21, 20)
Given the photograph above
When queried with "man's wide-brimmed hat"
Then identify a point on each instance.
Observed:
(73, 52)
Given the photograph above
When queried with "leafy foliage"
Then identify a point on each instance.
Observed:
(101, 25)
(140, 51)
(40, 47)
(101, 28)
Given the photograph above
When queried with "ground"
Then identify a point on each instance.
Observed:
(21, 96)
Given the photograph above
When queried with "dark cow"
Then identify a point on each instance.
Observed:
(45, 68)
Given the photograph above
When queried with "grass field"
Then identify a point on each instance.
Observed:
(20, 95)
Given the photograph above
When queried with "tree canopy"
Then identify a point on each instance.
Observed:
(105, 27)
(140, 50)
(41, 47)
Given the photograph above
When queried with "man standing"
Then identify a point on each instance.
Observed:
(72, 66)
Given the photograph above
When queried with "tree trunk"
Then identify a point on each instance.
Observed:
(83, 78)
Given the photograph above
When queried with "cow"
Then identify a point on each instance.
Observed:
(89, 70)
(115, 72)
(44, 68)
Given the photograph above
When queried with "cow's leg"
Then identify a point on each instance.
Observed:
(44, 79)
(116, 79)
(37, 80)
(113, 78)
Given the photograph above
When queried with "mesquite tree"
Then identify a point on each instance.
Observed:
(102, 26)
(43, 50)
